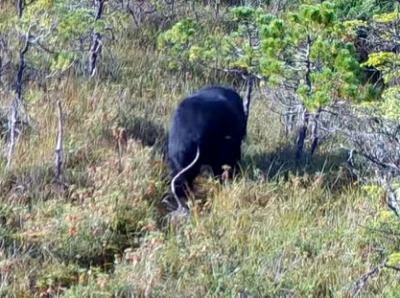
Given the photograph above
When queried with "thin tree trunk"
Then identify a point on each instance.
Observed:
(173, 8)
(289, 119)
(315, 141)
(250, 83)
(20, 7)
(96, 43)
(21, 68)
(302, 135)
(306, 114)
(217, 6)
(17, 103)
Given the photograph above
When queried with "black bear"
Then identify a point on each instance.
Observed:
(207, 129)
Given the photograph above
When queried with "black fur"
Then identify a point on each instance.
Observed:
(213, 120)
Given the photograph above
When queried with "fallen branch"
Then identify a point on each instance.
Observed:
(355, 291)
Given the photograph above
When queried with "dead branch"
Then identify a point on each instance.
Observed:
(372, 143)
(355, 291)
(392, 267)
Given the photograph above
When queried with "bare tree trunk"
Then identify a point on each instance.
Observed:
(17, 103)
(20, 7)
(173, 8)
(308, 64)
(196, 15)
(21, 67)
(315, 141)
(96, 40)
(289, 119)
(250, 83)
(302, 135)
(306, 114)
(94, 51)
(217, 6)
(59, 146)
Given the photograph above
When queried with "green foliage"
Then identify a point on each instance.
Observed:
(356, 9)
(329, 67)
(386, 62)
(386, 17)
(381, 60)
(178, 40)
(394, 259)
(60, 30)
(303, 49)
(389, 107)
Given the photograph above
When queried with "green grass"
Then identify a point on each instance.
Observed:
(275, 231)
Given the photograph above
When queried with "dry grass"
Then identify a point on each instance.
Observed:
(273, 232)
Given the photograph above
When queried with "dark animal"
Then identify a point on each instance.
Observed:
(207, 129)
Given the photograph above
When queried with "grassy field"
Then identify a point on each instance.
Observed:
(275, 231)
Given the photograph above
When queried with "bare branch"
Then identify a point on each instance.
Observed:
(392, 267)
(355, 291)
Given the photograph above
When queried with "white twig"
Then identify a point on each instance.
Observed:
(59, 146)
